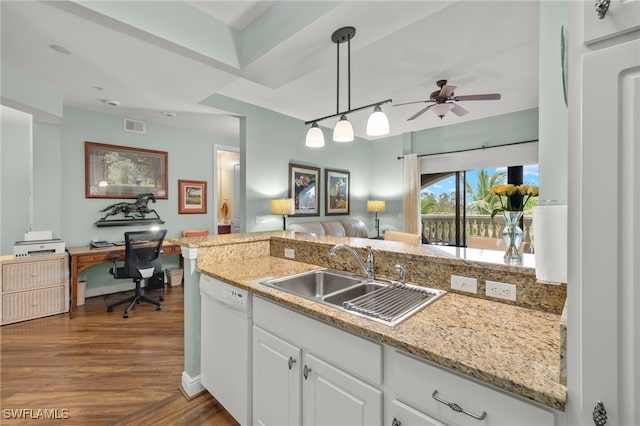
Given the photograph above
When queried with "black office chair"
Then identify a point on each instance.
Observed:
(142, 260)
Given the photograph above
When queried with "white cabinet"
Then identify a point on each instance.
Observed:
(34, 287)
(333, 397)
(603, 302)
(276, 380)
(411, 384)
(622, 16)
(316, 375)
(403, 415)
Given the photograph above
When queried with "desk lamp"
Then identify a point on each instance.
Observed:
(376, 206)
(283, 206)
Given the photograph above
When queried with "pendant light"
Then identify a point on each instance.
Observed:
(378, 123)
(343, 132)
(315, 137)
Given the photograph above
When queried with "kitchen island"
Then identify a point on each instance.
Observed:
(514, 346)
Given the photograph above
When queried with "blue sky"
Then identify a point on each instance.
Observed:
(530, 176)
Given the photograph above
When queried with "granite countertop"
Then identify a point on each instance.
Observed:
(511, 347)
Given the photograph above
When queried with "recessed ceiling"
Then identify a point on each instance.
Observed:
(276, 55)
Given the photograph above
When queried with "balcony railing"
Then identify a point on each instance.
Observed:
(440, 228)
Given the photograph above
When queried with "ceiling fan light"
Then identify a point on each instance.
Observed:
(343, 132)
(315, 137)
(441, 109)
(378, 123)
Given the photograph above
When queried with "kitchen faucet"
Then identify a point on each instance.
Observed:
(367, 269)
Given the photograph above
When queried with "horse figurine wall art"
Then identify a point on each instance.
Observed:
(136, 210)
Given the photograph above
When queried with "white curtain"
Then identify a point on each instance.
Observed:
(411, 194)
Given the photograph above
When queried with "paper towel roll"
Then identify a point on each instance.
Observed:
(550, 240)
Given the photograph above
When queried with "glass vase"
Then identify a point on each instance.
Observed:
(512, 236)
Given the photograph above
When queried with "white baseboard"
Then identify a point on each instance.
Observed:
(191, 385)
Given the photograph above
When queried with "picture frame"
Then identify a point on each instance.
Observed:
(113, 171)
(192, 196)
(304, 188)
(337, 199)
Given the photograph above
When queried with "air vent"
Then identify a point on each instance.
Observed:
(133, 126)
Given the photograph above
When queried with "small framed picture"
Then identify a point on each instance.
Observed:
(192, 196)
(337, 192)
(304, 188)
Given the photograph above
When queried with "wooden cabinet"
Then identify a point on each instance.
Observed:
(317, 375)
(34, 287)
(411, 384)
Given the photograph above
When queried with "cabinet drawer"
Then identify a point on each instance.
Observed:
(414, 381)
(26, 305)
(32, 275)
(402, 414)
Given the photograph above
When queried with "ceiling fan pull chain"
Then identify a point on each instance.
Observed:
(602, 6)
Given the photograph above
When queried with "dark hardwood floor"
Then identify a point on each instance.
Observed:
(101, 369)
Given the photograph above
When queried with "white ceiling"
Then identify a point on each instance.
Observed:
(400, 50)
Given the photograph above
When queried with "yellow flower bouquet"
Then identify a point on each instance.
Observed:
(513, 197)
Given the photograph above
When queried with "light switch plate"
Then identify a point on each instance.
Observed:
(468, 284)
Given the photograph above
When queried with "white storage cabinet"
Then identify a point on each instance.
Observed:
(316, 375)
(411, 383)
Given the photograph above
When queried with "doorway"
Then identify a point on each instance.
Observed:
(226, 162)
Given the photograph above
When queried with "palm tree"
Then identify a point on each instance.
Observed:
(484, 202)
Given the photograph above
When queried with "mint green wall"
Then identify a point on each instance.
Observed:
(190, 157)
(514, 127)
(48, 186)
(270, 141)
(386, 181)
(554, 120)
(15, 142)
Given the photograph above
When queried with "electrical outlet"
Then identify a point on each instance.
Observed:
(500, 290)
(467, 284)
(289, 252)
(261, 219)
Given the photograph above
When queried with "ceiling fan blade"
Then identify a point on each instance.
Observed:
(414, 102)
(447, 90)
(458, 110)
(485, 97)
(419, 113)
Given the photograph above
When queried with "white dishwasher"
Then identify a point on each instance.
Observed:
(225, 357)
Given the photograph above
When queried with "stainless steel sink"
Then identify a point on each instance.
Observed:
(315, 284)
(351, 293)
(383, 301)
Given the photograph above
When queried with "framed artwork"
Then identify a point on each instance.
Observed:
(337, 192)
(192, 196)
(112, 171)
(304, 188)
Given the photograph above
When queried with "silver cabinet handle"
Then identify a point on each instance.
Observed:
(599, 414)
(396, 422)
(458, 409)
(291, 362)
(305, 372)
(602, 6)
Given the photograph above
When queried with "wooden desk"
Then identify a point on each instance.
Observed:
(81, 258)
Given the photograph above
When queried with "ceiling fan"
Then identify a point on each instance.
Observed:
(443, 101)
